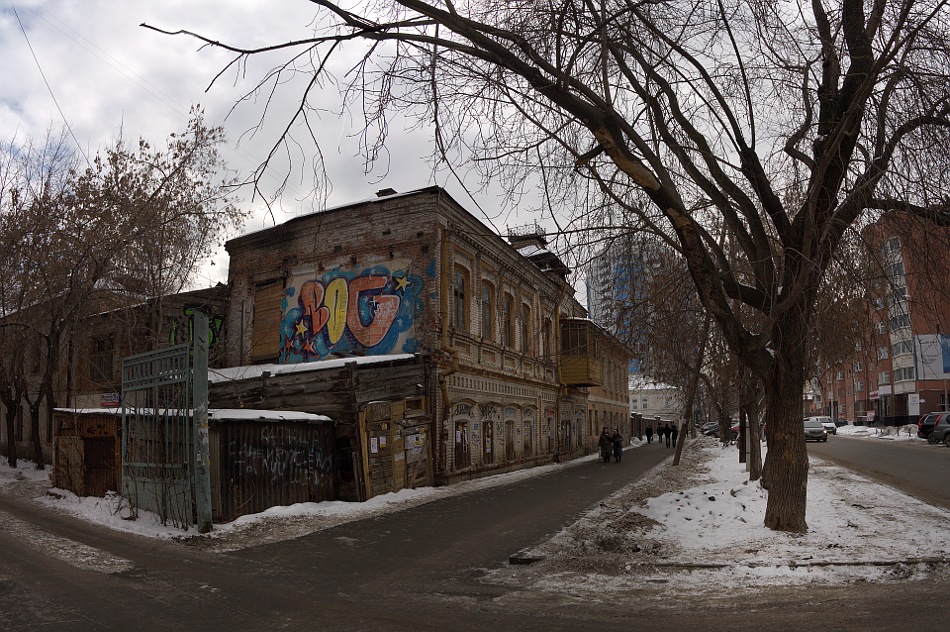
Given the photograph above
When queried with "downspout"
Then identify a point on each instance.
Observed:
(443, 375)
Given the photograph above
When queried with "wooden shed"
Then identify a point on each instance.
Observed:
(87, 450)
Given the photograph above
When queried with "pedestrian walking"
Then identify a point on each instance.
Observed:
(606, 444)
(649, 433)
(674, 432)
(617, 439)
(666, 434)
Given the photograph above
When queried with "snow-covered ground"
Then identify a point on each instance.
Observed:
(694, 525)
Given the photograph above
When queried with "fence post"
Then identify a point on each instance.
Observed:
(200, 408)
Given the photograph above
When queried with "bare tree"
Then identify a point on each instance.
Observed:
(133, 225)
(785, 122)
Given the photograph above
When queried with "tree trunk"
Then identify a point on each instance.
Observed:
(785, 474)
(12, 407)
(35, 439)
(750, 401)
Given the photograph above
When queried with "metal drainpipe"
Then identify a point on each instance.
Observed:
(454, 360)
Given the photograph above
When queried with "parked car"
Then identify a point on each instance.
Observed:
(925, 426)
(941, 431)
(839, 422)
(827, 423)
(814, 431)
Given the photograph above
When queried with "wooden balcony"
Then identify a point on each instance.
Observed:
(580, 356)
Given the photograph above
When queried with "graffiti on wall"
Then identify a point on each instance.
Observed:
(182, 328)
(371, 312)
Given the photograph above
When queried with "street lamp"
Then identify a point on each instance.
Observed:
(942, 368)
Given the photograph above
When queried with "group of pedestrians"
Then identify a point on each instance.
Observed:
(611, 445)
(665, 434)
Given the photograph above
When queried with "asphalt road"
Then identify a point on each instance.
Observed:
(918, 469)
(422, 569)
(408, 570)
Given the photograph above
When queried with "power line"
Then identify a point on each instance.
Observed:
(49, 88)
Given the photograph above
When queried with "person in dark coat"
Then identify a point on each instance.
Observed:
(606, 445)
(617, 440)
(649, 433)
(666, 434)
(674, 432)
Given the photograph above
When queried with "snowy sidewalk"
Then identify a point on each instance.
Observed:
(695, 524)
(701, 525)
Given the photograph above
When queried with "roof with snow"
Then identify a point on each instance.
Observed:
(232, 414)
(258, 370)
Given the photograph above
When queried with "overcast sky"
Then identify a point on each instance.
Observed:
(90, 63)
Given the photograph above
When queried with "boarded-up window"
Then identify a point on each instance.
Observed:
(102, 360)
(265, 336)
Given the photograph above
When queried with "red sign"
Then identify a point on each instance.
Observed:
(109, 400)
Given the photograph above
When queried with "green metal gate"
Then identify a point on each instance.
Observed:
(164, 432)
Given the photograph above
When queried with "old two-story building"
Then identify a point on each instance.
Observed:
(87, 372)
(468, 354)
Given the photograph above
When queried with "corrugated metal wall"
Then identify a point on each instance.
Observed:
(257, 464)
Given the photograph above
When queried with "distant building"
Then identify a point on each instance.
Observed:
(618, 280)
(655, 400)
(902, 368)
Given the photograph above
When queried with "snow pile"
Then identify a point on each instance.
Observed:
(699, 526)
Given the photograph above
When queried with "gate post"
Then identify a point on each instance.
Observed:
(200, 396)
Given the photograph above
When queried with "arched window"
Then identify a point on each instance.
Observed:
(548, 340)
(488, 309)
(507, 321)
(460, 296)
(526, 329)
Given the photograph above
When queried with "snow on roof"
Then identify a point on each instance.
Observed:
(645, 383)
(257, 370)
(218, 413)
(530, 250)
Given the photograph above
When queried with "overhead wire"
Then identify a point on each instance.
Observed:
(49, 88)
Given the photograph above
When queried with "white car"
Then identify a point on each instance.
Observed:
(827, 423)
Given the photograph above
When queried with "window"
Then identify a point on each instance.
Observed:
(633, 403)
(882, 353)
(858, 366)
(266, 339)
(507, 320)
(548, 342)
(460, 308)
(884, 377)
(891, 245)
(526, 329)
(645, 402)
(880, 327)
(859, 386)
(899, 322)
(897, 269)
(102, 365)
(903, 347)
(907, 373)
(488, 308)
(897, 296)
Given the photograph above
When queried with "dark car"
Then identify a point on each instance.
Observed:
(941, 431)
(814, 431)
(925, 426)
(839, 421)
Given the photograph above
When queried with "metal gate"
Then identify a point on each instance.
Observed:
(165, 431)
